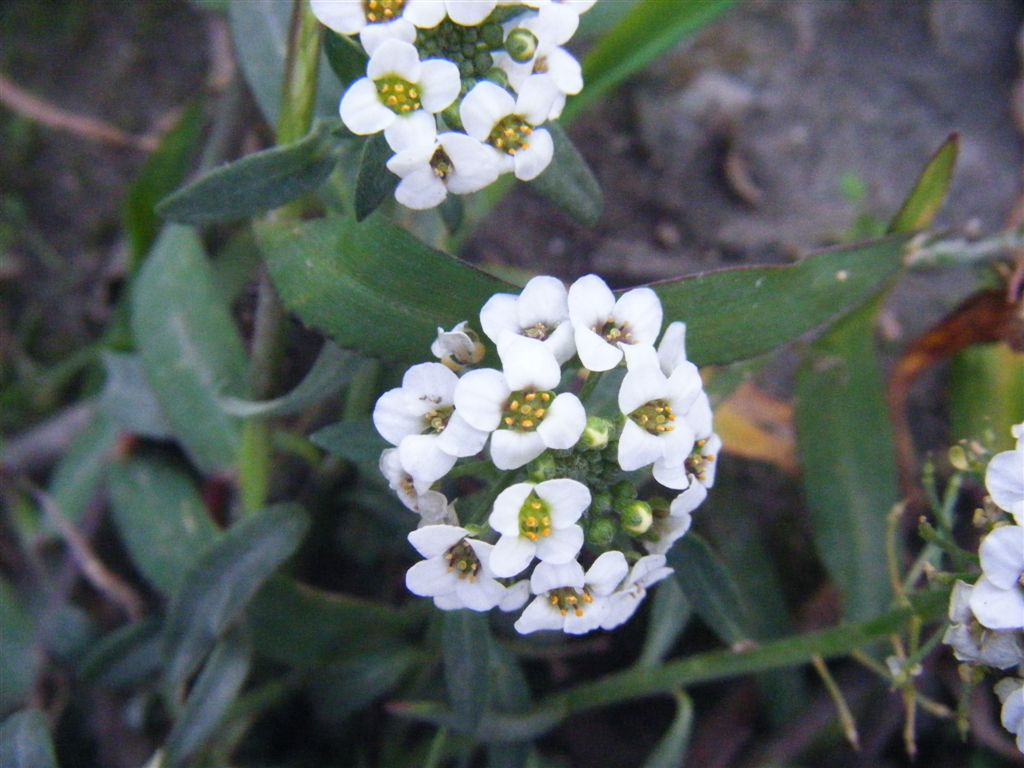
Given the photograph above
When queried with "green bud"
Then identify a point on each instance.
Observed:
(542, 468)
(660, 507)
(636, 517)
(596, 434)
(497, 76)
(465, 68)
(601, 532)
(491, 34)
(958, 458)
(623, 491)
(451, 116)
(521, 44)
(482, 61)
(601, 503)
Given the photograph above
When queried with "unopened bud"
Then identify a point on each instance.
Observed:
(521, 44)
(958, 458)
(542, 468)
(623, 491)
(498, 76)
(601, 503)
(596, 434)
(636, 517)
(601, 532)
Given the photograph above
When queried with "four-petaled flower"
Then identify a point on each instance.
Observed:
(623, 602)
(432, 166)
(456, 571)
(603, 326)
(974, 644)
(998, 596)
(540, 312)
(570, 600)
(537, 521)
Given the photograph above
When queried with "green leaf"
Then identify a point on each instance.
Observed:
(127, 657)
(735, 314)
(568, 182)
(127, 399)
(453, 212)
(710, 588)
(25, 741)
(670, 614)
(303, 627)
(340, 690)
(160, 518)
(222, 581)
(18, 657)
(353, 440)
(374, 182)
(257, 183)
(79, 472)
(163, 171)
(845, 446)
(986, 393)
(347, 59)
(651, 28)
(216, 687)
(259, 30)
(467, 640)
(331, 371)
(930, 190)
(395, 290)
(190, 349)
(670, 751)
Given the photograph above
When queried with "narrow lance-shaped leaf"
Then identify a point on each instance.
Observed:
(467, 640)
(930, 191)
(346, 57)
(25, 741)
(160, 518)
(128, 400)
(710, 588)
(191, 351)
(258, 182)
(353, 440)
(986, 393)
(568, 182)
(374, 182)
(222, 581)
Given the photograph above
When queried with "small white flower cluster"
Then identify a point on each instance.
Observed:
(489, 73)
(987, 619)
(563, 482)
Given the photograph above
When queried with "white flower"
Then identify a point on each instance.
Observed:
(429, 170)
(432, 506)
(1004, 478)
(374, 21)
(569, 600)
(623, 602)
(1011, 692)
(974, 644)
(458, 347)
(399, 88)
(419, 418)
(998, 596)
(655, 406)
(603, 325)
(455, 572)
(537, 521)
(697, 473)
(517, 403)
(541, 312)
(667, 529)
(490, 114)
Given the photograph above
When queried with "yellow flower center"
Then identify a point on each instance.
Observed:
(463, 561)
(398, 94)
(534, 518)
(656, 417)
(538, 331)
(525, 410)
(697, 462)
(510, 134)
(613, 333)
(436, 419)
(382, 11)
(566, 599)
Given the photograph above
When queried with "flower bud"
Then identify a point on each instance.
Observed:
(498, 76)
(596, 434)
(623, 491)
(601, 503)
(601, 532)
(542, 468)
(636, 517)
(521, 44)
(958, 458)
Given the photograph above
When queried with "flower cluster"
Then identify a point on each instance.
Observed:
(584, 398)
(987, 618)
(460, 88)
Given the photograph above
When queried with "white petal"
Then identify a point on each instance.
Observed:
(699, 417)
(562, 342)
(620, 609)
(591, 619)
(421, 190)
(641, 356)
(499, 315)
(511, 555)
(637, 447)
(1002, 556)
(372, 36)
(607, 572)
(565, 71)
(590, 301)
(1004, 480)
(431, 382)
(480, 396)
(564, 422)
(449, 602)
(423, 458)
(557, 23)
(566, 499)
(960, 602)
(539, 615)
(640, 308)
(397, 415)
(505, 515)
(548, 576)
(361, 110)
(435, 540)
(515, 596)
(673, 476)
(484, 106)
(527, 363)
(688, 500)
(440, 84)
(434, 509)
(668, 530)
(480, 595)
(640, 386)
(531, 161)
(595, 353)
(672, 349)
(561, 546)
(410, 160)
(474, 165)
(346, 17)
(429, 578)
(677, 445)
(544, 300)
(425, 14)
(997, 608)
(686, 386)
(511, 449)
(394, 57)
(534, 100)
(469, 13)
(460, 438)
(415, 132)
(649, 570)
